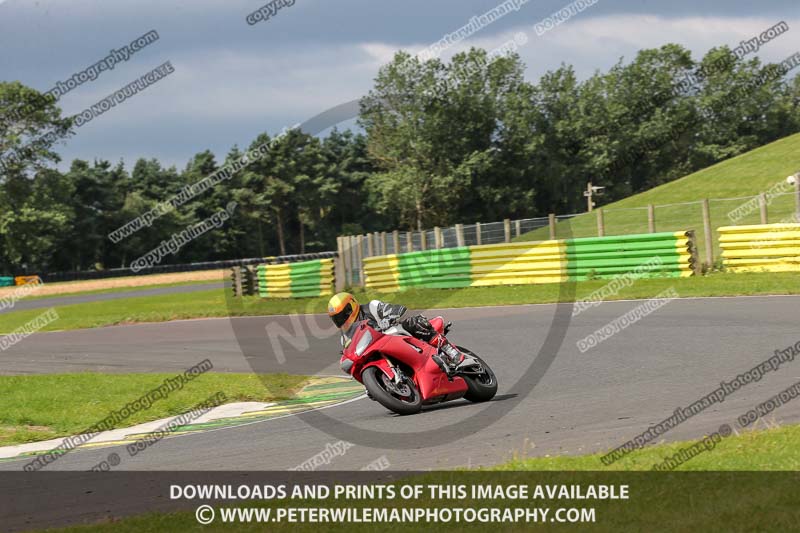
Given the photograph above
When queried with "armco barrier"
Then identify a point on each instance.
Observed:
(761, 248)
(296, 280)
(663, 255)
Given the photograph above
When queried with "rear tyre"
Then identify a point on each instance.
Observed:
(403, 400)
(482, 387)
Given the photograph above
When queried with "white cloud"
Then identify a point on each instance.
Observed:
(217, 92)
(596, 43)
(380, 53)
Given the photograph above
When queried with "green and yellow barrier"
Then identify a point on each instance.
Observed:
(303, 279)
(663, 255)
(761, 248)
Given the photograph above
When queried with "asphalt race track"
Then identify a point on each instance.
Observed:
(584, 402)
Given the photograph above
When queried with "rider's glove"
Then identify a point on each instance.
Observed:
(419, 327)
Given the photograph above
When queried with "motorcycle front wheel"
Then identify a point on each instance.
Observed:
(403, 399)
(480, 387)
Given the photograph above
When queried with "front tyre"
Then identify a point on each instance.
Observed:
(403, 399)
(480, 387)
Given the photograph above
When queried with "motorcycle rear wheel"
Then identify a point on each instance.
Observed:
(380, 387)
(481, 388)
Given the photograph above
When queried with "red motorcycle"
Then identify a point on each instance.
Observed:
(403, 373)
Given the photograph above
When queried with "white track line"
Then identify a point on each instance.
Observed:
(179, 435)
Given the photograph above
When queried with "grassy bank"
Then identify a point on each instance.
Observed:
(215, 303)
(44, 407)
(772, 449)
(677, 202)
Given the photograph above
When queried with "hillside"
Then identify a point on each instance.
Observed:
(678, 202)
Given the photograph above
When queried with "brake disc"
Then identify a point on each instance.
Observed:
(402, 389)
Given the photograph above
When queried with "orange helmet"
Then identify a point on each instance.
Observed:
(343, 309)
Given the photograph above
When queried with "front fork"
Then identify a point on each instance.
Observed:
(398, 374)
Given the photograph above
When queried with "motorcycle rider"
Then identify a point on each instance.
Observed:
(345, 311)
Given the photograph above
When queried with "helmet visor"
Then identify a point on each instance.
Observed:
(341, 317)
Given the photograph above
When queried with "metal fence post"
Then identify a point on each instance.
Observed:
(347, 265)
(762, 207)
(396, 242)
(651, 218)
(437, 237)
(423, 240)
(353, 253)
(339, 271)
(478, 232)
(370, 245)
(345, 256)
(410, 241)
(707, 230)
(551, 222)
(360, 258)
(517, 228)
(459, 234)
(507, 229)
(383, 243)
(601, 225)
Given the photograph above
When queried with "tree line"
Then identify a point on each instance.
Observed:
(438, 142)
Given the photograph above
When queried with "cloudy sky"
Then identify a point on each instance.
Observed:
(233, 80)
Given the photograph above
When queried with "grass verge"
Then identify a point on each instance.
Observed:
(728, 496)
(213, 303)
(762, 450)
(42, 407)
(746, 175)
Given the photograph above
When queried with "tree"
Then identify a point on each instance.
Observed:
(98, 197)
(348, 164)
(270, 180)
(736, 103)
(30, 124)
(649, 116)
(432, 129)
(316, 191)
(35, 216)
